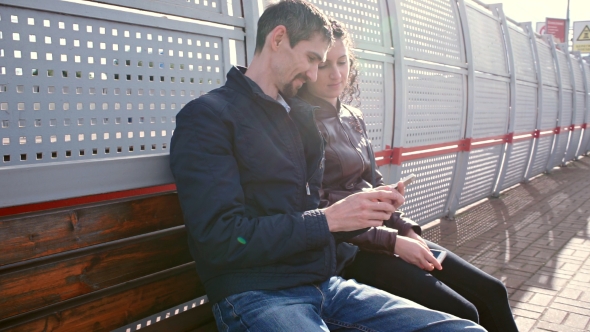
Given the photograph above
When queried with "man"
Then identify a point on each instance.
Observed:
(248, 167)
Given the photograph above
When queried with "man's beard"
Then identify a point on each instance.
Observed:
(289, 90)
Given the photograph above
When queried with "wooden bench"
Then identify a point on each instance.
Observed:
(100, 267)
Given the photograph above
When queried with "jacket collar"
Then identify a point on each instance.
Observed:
(237, 80)
(324, 109)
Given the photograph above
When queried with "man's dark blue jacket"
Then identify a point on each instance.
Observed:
(248, 175)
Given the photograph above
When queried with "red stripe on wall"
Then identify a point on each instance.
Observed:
(69, 202)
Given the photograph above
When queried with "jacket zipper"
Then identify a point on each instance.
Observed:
(350, 141)
(322, 148)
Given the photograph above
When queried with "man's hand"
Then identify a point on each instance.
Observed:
(416, 252)
(362, 210)
(399, 190)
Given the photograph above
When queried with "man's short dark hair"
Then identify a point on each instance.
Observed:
(301, 19)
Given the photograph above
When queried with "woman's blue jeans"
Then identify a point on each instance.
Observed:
(334, 305)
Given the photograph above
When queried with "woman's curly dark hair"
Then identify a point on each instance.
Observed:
(351, 94)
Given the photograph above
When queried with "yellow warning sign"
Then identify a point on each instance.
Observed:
(581, 37)
(584, 35)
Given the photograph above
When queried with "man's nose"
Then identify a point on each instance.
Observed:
(312, 74)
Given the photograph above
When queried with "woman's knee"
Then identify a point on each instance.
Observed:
(497, 289)
(469, 311)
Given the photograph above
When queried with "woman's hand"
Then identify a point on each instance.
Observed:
(412, 235)
(416, 252)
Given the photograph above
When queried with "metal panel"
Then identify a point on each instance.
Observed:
(430, 30)
(586, 67)
(546, 63)
(373, 99)
(550, 108)
(517, 163)
(489, 51)
(580, 109)
(564, 70)
(492, 106)
(585, 144)
(559, 149)
(481, 174)
(426, 197)
(31, 184)
(219, 11)
(541, 155)
(565, 118)
(435, 106)
(524, 66)
(506, 150)
(577, 70)
(526, 108)
(365, 20)
(572, 150)
(83, 89)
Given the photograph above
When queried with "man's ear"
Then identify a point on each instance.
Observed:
(277, 36)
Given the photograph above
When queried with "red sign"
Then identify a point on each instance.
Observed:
(555, 27)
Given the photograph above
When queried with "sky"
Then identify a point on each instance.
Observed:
(537, 10)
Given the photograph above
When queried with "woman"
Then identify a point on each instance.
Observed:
(460, 288)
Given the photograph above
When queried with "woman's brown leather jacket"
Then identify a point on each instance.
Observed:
(348, 169)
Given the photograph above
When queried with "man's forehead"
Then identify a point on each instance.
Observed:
(316, 46)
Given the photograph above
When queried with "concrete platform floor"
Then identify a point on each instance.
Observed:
(535, 238)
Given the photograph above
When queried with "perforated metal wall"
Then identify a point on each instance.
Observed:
(526, 108)
(490, 117)
(564, 70)
(431, 30)
(524, 66)
(565, 118)
(550, 108)
(585, 143)
(481, 174)
(559, 149)
(81, 89)
(364, 20)
(220, 11)
(541, 155)
(573, 146)
(546, 63)
(517, 163)
(489, 52)
(373, 99)
(435, 106)
(578, 118)
(577, 70)
(585, 147)
(427, 196)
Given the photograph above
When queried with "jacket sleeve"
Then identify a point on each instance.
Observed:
(402, 224)
(379, 240)
(382, 239)
(212, 200)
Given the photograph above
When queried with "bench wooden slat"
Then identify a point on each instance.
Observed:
(113, 307)
(23, 238)
(48, 281)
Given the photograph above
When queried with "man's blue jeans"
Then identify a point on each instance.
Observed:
(336, 304)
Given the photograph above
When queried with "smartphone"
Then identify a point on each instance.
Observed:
(405, 180)
(439, 255)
